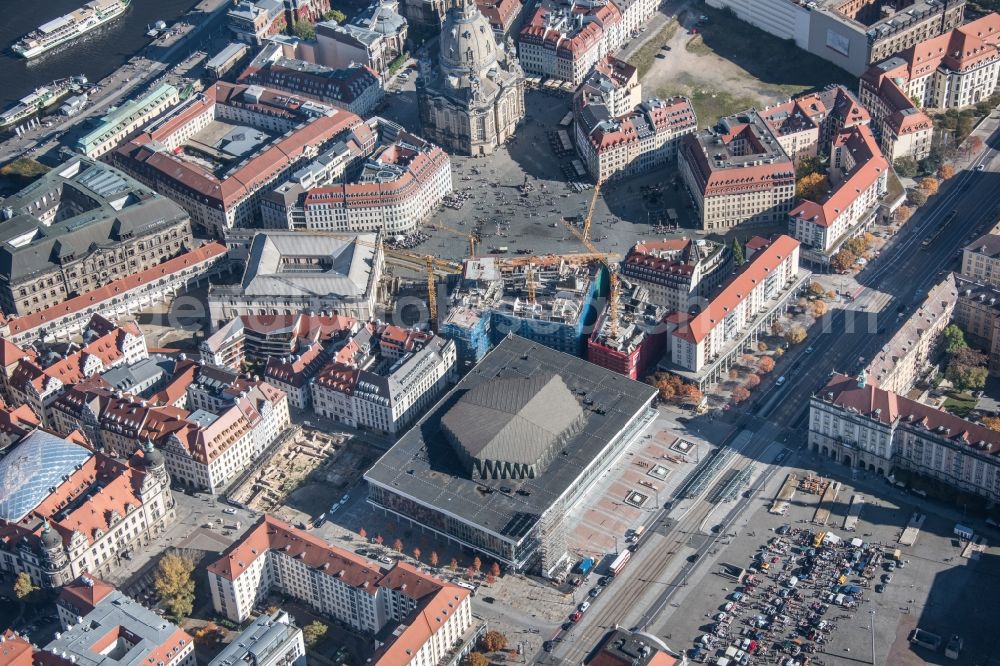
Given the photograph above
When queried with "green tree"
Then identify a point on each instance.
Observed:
(23, 586)
(906, 167)
(335, 15)
(917, 197)
(314, 632)
(954, 339)
(175, 585)
(967, 369)
(857, 246)
(24, 168)
(738, 257)
(811, 186)
(304, 29)
(808, 165)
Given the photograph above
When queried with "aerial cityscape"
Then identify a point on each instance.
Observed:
(487, 332)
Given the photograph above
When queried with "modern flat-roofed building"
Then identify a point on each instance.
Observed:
(501, 463)
(738, 173)
(703, 347)
(116, 125)
(220, 150)
(859, 176)
(225, 60)
(270, 640)
(67, 510)
(851, 34)
(79, 227)
(679, 273)
(289, 272)
(418, 619)
(853, 421)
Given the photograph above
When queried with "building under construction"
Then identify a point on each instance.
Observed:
(551, 300)
(638, 341)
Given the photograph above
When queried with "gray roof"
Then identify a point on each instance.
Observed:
(149, 632)
(516, 419)
(381, 18)
(36, 465)
(988, 245)
(343, 269)
(126, 377)
(267, 635)
(114, 206)
(423, 466)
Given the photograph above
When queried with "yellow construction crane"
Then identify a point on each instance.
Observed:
(432, 292)
(472, 246)
(590, 211)
(529, 280)
(613, 294)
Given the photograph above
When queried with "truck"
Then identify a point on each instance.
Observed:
(619, 562)
(586, 565)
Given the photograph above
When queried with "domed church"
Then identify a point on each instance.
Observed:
(472, 98)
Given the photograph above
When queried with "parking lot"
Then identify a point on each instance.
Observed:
(923, 592)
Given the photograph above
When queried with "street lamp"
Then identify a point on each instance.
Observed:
(872, 611)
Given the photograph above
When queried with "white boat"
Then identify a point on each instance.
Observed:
(66, 28)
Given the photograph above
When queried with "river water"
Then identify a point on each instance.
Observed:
(97, 54)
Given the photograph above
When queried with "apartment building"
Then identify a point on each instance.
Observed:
(256, 136)
(807, 125)
(67, 510)
(257, 339)
(503, 15)
(289, 272)
(294, 373)
(901, 126)
(981, 260)
(383, 377)
(400, 181)
(680, 273)
(565, 40)
(977, 313)
(916, 345)
(867, 427)
(424, 620)
(120, 630)
(116, 125)
(703, 347)
(270, 640)
(859, 176)
(636, 142)
(205, 445)
(355, 88)
(39, 381)
(613, 83)
(737, 173)
(79, 227)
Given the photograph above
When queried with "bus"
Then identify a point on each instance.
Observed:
(620, 562)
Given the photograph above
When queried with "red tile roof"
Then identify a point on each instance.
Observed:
(762, 263)
(83, 594)
(206, 252)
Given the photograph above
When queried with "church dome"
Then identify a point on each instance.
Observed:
(468, 45)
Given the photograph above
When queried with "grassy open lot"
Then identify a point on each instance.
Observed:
(728, 65)
(644, 58)
(959, 404)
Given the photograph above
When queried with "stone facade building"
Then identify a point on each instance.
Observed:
(472, 98)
